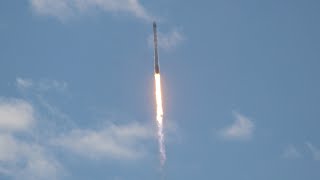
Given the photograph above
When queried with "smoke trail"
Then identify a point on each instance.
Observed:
(160, 118)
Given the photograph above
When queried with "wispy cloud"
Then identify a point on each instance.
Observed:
(23, 82)
(15, 114)
(28, 152)
(314, 150)
(22, 160)
(118, 142)
(52, 84)
(241, 129)
(41, 85)
(167, 41)
(291, 152)
(63, 9)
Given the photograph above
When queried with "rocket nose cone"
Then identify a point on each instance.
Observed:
(154, 24)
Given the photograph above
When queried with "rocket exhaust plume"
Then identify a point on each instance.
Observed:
(158, 97)
(160, 118)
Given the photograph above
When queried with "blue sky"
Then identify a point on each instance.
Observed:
(240, 89)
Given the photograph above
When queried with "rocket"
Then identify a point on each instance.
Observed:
(155, 42)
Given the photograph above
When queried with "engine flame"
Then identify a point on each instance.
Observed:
(160, 119)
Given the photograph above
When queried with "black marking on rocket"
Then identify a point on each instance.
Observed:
(155, 42)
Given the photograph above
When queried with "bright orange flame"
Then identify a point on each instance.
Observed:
(160, 118)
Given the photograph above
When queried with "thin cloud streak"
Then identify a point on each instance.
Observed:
(42, 85)
(241, 129)
(314, 150)
(122, 142)
(63, 9)
(291, 152)
(23, 83)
